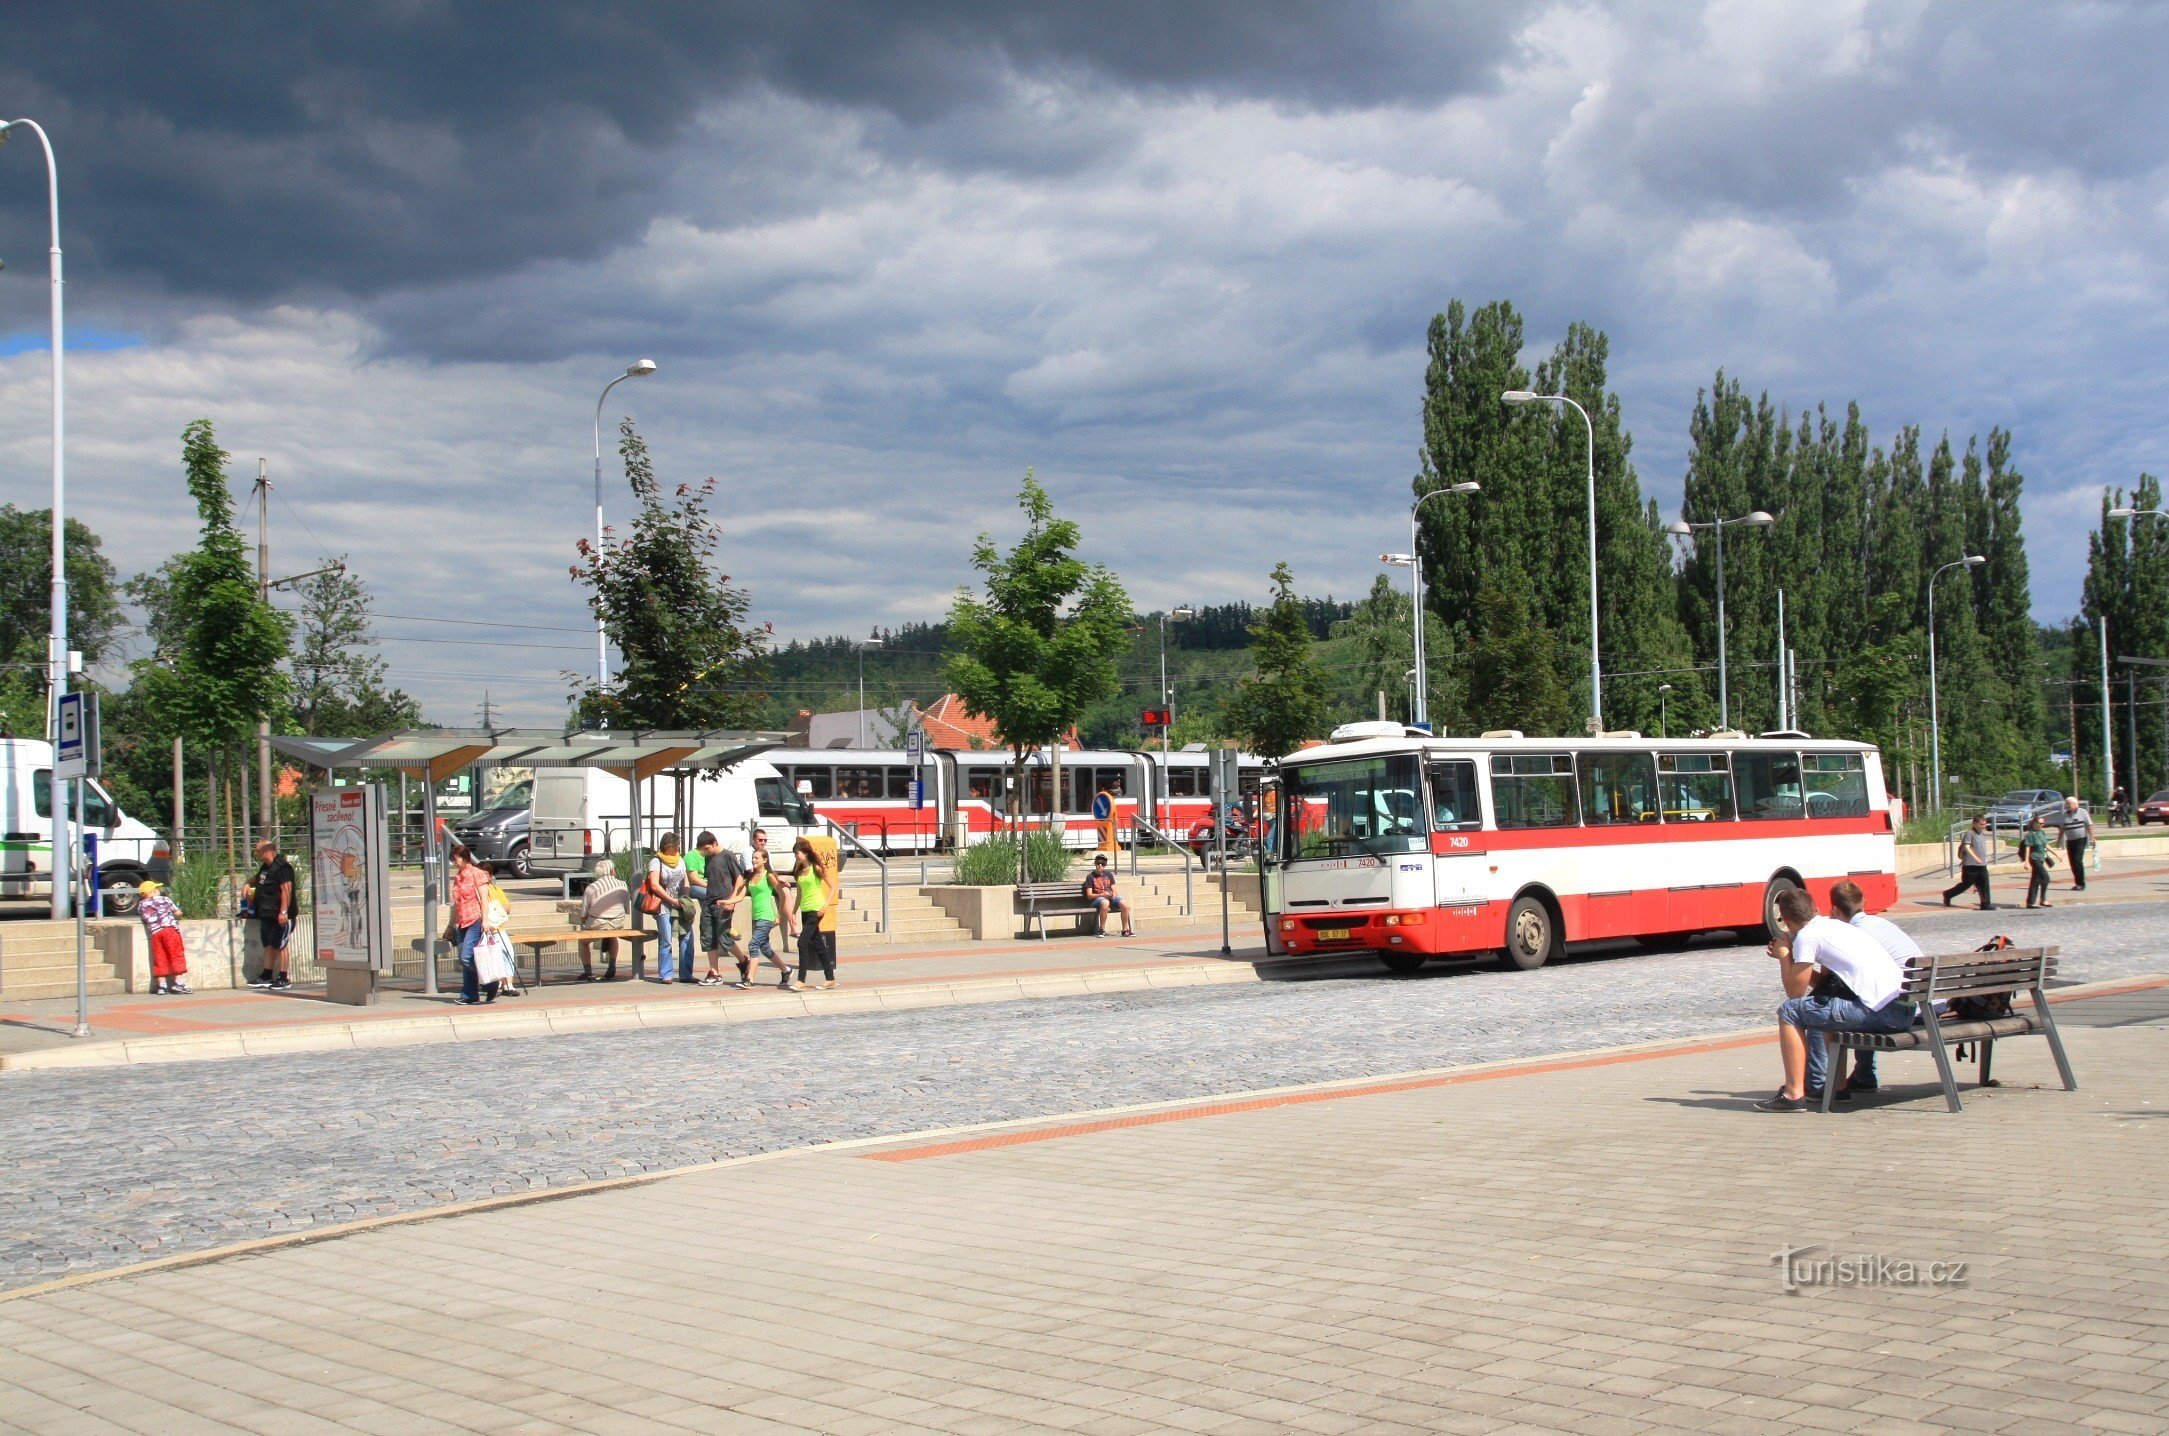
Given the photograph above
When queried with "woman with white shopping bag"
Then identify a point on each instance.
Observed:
(495, 960)
(470, 891)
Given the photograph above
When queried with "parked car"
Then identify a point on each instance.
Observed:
(2155, 809)
(2021, 806)
(498, 835)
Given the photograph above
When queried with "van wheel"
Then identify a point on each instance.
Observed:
(121, 897)
(1532, 938)
(521, 862)
(1403, 963)
(1772, 927)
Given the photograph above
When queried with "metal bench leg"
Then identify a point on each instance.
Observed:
(2055, 1042)
(1988, 1057)
(1834, 1070)
(1943, 1059)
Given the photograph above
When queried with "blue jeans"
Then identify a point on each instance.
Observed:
(757, 946)
(673, 936)
(1816, 1015)
(468, 937)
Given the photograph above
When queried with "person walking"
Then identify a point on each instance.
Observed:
(470, 892)
(605, 904)
(722, 893)
(814, 898)
(665, 886)
(764, 901)
(1976, 850)
(2033, 846)
(2078, 831)
(169, 955)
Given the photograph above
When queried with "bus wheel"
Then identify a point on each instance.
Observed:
(1532, 938)
(1772, 928)
(1403, 963)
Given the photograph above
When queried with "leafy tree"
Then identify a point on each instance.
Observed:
(688, 656)
(1283, 705)
(339, 687)
(1513, 673)
(1040, 647)
(26, 580)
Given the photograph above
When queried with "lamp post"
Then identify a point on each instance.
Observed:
(1167, 694)
(638, 369)
(1420, 711)
(1935, 726)
(2122, 513)
(862, 647)
(1596, 666)
(1683, 529)
(1664, 710)
(56, 648)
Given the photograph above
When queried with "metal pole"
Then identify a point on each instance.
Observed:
(431, 860)
(2108, 741)
(82, 948)
(1935, 717)
(1782, 721)
(266, 806)
(1724, 689)
(1596, 666)
(862, 695)
(1422, 705)
(602, 642)
(1220, 840)
(180, 785)
(1168, 713)
(2131, 730)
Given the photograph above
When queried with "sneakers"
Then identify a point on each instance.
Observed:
(280, 983)
(178, 987)
(1782, 1103)
(261, 979)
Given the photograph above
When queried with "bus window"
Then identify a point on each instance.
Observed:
(1533, 790)
(1837, 785)
(1618, 788)
(1454, 806)
(1356, 806)
(1769, 784)
(1697, 787)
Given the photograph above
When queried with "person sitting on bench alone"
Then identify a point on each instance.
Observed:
(1099, 890)
(1850, 983)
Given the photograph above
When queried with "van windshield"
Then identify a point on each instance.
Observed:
(519, 795)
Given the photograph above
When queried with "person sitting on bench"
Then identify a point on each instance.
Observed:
(1856, 987)
(1847, 905)
(605, 903)
(1099, 890)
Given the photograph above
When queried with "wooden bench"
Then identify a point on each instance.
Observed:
(1037, 902)
(1929, 980)
(540, 939)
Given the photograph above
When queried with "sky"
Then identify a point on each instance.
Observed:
(1177, 257)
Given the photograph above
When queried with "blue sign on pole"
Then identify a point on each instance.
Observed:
(918, 795)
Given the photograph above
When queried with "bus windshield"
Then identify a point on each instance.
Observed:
(1354, 807)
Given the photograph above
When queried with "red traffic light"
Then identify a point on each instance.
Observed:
(1156, 717)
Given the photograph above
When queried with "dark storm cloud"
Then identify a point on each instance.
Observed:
(264, 151)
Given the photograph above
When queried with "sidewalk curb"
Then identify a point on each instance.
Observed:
(467, 1025)
(912, 1145)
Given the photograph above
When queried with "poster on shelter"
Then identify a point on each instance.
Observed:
(352, 893)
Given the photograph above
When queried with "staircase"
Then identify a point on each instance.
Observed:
(37, 960)
(914, 920)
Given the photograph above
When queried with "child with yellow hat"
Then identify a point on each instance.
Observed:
(169, 956)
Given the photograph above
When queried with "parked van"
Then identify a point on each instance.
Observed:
(582, 813)
(128, 852)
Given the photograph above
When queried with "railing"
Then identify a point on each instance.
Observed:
(1144, 827)
(845, 835)
(2005, 834)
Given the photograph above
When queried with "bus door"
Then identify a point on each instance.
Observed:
(1460, 864)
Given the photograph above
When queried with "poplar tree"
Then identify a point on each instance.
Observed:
(1283, 704)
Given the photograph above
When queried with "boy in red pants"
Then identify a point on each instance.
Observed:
(169, 958)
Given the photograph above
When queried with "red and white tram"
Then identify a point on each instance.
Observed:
(869, 792)
(1415, 847)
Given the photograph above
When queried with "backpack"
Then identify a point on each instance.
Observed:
(1988, 1006)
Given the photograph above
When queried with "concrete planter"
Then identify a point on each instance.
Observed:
(223, 953)
(988, 914)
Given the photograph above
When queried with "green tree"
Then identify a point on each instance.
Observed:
(1039, 647)
(339, 679)
(1283, 704)
(26, 580)
(688, 656)
(1513, 670)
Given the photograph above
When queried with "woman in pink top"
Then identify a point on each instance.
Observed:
(470, 887)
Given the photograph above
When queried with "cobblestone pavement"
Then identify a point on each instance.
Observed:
(108, 1167)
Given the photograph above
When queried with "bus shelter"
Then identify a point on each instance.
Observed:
(431, 755)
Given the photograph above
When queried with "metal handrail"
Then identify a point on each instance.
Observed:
(844, 834)
(1144, 826)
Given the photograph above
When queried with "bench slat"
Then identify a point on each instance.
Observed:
(2018, 1024)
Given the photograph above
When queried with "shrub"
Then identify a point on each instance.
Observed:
(989, 863)
(199, 886)
(1046, 860)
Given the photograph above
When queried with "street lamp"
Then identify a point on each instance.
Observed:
(1683, 529)
(2138, 513)
(1935, 730)
(56, 649)
(638, 369)
(862, 647)
(1596, 667)
(1664, 711)
(1167, 694)
(1420, 712)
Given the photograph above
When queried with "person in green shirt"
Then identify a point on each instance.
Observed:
(2033, 846)
(764, 898)
(813, 900)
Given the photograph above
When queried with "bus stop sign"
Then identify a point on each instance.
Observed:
(75, 737)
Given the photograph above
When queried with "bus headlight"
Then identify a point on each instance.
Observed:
(1287, 924)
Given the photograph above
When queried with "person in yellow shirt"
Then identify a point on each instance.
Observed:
(830, 863)
(814, 900)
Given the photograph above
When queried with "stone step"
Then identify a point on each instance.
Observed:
(43, 991)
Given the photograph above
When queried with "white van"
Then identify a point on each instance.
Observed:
(583, 813)
(128, 852)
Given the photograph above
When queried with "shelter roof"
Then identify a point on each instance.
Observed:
(440, 752)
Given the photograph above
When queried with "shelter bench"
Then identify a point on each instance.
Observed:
(1929, 980)
(1036, 902)
(539, 939)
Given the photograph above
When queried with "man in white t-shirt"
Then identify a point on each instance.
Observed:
(1869, 1002)
(1846, 904)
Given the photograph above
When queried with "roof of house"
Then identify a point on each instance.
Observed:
(947, 723)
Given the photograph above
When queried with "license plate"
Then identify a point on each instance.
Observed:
(1333, 934)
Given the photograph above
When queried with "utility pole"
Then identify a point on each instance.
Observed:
(267, 806)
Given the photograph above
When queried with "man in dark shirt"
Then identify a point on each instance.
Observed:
(1099, 890)
(270, 894)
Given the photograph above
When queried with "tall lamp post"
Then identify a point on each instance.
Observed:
(2122, 513)
(1935, 725)
(1420, 710)
(1683, 529)
(862, 647)
(1596, 666)
(1664, 710)
(56, 650)
(1167, 694)
(638, 369)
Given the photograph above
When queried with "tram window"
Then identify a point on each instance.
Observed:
(899, 783)
(1769, 784)
(819, 781)
(1454, 805)
(1697, 787)
(1837, 785)
(981, 787)
(1111, 780)
(1185, 782)
(1355, 807)
(1040, 785)
(1618, 788)
(858, 782)
(1533, 790)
